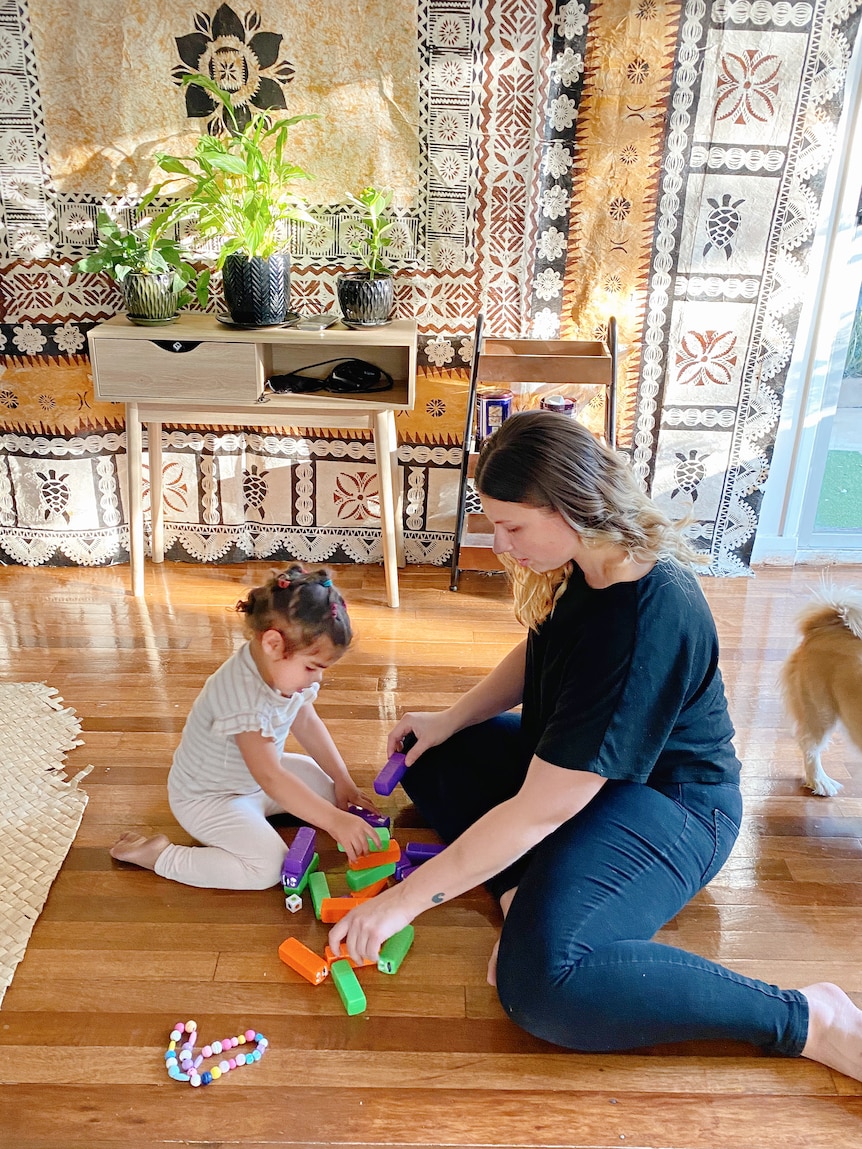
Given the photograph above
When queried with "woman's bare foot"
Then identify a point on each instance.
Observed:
(131, 847)
(834, 1029)
(505, 902)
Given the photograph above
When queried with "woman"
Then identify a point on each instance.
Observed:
(597, 813)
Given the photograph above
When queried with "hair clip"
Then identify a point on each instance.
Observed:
(326, 582)
(283, 582)
(334, 610)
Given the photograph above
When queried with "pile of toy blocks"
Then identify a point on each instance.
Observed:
(365, 877)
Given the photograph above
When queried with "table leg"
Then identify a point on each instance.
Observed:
(157, 503)
(384, 448)
(134, 463)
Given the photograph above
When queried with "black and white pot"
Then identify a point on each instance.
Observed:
(365, 302)
(257, 290)
(150, 299)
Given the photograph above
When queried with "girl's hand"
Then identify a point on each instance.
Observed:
(353, 833)
(365, 929)
(347, 793)
(430, 729)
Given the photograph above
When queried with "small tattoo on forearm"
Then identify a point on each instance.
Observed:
(437, 898)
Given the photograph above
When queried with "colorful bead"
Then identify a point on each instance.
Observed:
(224, 1066)
(195, 1080)
(249, 1035)
(207, 1051)
(232, 1063)
(176, 1034)
(240, 1059)
(215, 1073)
(206, 1078)
(216, 1047)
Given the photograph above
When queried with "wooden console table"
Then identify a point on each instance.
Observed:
(198, 371)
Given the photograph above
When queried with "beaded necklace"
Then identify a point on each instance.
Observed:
(186, 1066)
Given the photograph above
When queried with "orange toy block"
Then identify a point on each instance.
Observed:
(303, 960)
(377, 858)
(344, 956)
(334, 909)
(369, 891)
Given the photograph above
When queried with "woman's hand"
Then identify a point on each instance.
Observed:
(429, 728)
(352, 832)
(364, 930)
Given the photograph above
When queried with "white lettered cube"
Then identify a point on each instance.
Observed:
(293, 902)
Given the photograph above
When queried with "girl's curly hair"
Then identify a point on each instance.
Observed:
(302, 606)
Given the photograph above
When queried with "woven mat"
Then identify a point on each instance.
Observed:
(39, 810)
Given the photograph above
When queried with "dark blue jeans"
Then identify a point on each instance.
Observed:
(576, 964)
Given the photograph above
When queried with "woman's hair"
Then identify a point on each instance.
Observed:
(548, 460)
(302, 606)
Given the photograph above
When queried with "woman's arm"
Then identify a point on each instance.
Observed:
(292, 795)
(499, 691)
(550, 796)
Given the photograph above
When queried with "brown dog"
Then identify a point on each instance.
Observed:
(822, 680)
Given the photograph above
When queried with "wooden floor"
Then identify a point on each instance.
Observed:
(119, 955)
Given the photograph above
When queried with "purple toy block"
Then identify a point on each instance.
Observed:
(298, 857)
(395, 768)
(419, 852)
(391, 774)
(403, 869)
(376, 820)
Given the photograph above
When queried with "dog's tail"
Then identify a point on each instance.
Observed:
(833, 606)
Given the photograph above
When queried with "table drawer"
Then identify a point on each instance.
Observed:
(177, 370)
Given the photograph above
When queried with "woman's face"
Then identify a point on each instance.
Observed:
(535, 537)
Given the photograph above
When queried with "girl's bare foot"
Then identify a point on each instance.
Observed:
(834, 1029)
(131, 847)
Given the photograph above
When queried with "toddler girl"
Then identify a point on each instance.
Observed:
(230, 772)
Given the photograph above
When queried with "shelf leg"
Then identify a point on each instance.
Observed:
(157, 503)
(134, 463)
(385, 449)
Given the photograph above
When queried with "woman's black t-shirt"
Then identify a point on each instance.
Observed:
(624, 682)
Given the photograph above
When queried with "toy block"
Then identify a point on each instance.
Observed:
(395, 768)
(303, 881)
(303, 960)
(394, 950)
(298, 857)
(347, 984)
(318, 888)
(370, 891)
(334, 909)
(378, 821)
(403, 869)
(293, 902)
(419, 852)
(383, 835)
(371, 861)
(390, 775)
(359, 879)
(331, 956)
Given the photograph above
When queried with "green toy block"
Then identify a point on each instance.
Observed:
(359, 879)
(303, 881)
(394, 950)
(384, 840)
(318, 887)
(347, 984)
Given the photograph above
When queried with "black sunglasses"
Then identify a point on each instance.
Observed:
(350, 376)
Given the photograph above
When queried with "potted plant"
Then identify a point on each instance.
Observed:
(238, 189)
(366, 297)
(149, 265)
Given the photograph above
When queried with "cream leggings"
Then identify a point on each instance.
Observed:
(240, 850)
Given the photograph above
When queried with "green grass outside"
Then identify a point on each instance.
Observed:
(840, 504)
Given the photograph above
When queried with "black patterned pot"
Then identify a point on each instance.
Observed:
(150, 299)
(365, 302)
(257, 290)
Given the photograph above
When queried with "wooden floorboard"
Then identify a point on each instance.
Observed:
(119, 955)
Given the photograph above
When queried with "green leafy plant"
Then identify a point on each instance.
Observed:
(238, 187)
(145, 249)
(375, 229)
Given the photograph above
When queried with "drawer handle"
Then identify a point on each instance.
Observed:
(176, 345)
